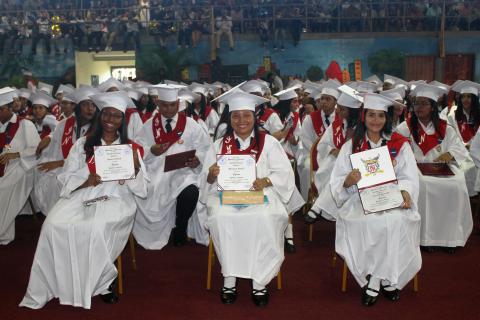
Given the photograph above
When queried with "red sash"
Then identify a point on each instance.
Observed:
(45, 132)
(394, 144)
(267, 112)
(91, 160)
(338, 136)
(145, 116)
(205, 114)
(67, 137)
(128, 114)
(317, 122)
(467, 131)
(230, 147)
(55, 110)
(294, 126)
(428, 142)
(7, 137)
(162, 137)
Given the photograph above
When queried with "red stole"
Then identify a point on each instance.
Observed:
(195, 116)
(267, 112)
(467, 131)
(67, 137)
(91, 160)
(229, 146)
(7, 137)
(128, 114)
(317, 122)
(394, 144)
(162, 137)
(338, 136)
(294, 126)
(428, 142)
(45, 132)
(55, 110)
(145, 116)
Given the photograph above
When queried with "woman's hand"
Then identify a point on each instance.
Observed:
(260, 184)
(7, 157)
(193, 162)
(213, 173)
(42, 145)
(136, 161)
(407, 201)
(334, 152)
(352, 178)
(49, 166)
(445, 158)
(158, 149)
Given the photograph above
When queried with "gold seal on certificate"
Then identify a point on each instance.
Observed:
(378, 187)
(114, 162)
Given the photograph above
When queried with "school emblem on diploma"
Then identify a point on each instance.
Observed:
(372, 166)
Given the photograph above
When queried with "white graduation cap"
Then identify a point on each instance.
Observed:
(397, 93)
(331, 88)
(25, 93)
(394, 81)
(348, 101)
(27, 73)
(45, 87)
(128, 83)
(310, 86)
(467, 86)
(316, 93)
(83, 93)
(198, 88)
(110, 83)
(152, 91)
(69, 97)
(40, 98)
(134, 93)
(413, 84)
(295, 83)
(287, 94)
(223, 97)
(240, 100)
(364, 86)
(443, 86)
(374, 79)
(141, 83)
(15, 92)
(428, 91)
(6, 96)
(167, 93)
(347, 95)
(64, 89)
(254, 86)
(117, 99)
(186, 95)
(375, 101)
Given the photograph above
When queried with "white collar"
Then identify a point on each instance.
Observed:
(244, 144)
(114, 142)
(174, 119)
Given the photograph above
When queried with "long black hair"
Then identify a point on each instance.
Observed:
(352, 119)
(150, 104)
(361, 129)
(435, 120)
(401, 117)
(94, 138)
(77, 112)
(256, 130)
(283, 108)
(474, 110)
(224, 118)
(190, 110)
(139, 105)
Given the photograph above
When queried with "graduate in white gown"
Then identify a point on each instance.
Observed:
(78, 244)
(53, 150)
(381, 249)
(172, 195)
(443, 202)
(340, 131)
(249, 240)
(201, 110)
(18, 140)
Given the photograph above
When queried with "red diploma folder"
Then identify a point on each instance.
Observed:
(435, 169)
(178, 160)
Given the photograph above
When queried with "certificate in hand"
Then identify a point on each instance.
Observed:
(178, 160)
(378, 187)
(114, 162)
(237, 172)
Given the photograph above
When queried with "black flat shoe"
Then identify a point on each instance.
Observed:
(368, 300)
(260, 297)
(109, 298)
(392, 295)
(309, 220)
(228, 295)
(450, 250)
(289, 246)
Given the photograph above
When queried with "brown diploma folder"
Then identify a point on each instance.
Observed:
(435, 169)
(177, 160)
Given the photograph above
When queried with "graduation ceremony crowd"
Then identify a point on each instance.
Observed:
(301, 138)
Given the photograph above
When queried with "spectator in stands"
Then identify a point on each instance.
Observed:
(113, 29)
(132, 31)
(280, 30)
(195, 17)
(79, 30)
(41, 31)
(263, 28)
(224, 26)
(94, 24)
(4, 29)
(296, 26)
(185, 32)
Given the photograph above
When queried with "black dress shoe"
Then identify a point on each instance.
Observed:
(109, 298)
(289, 246)
(260, 297)
(368, 300)
(392, 295)
(309, 220)
(228, 295)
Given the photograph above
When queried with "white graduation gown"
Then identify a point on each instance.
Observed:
(156, 214)
(135, 124)
(17, 182)
(211, 121)
(78, 245)
(443, 202)
(249, 240)
(384, 245)
(468, 167)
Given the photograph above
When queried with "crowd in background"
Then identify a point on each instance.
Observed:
(100, 24)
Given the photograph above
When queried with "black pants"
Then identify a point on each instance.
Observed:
(36, 40)
(186, 204)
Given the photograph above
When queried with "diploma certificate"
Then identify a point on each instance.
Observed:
(237, 172)
(378, 186)
(114, 162)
